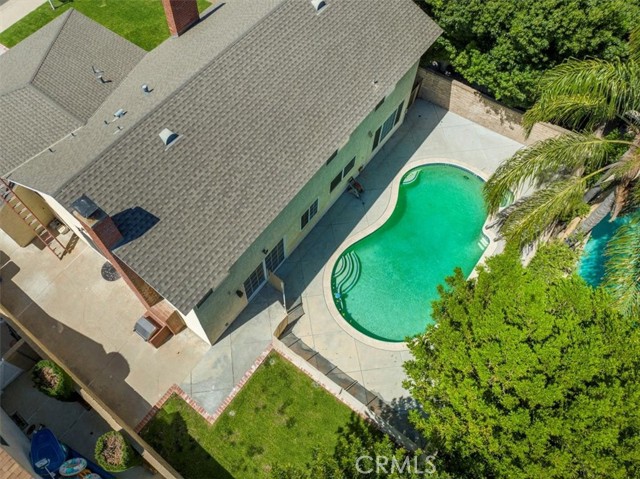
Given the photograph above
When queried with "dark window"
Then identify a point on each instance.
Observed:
(398, 113)
(379, 105)
(335, 182)
(313, 209)
(255, 280)
(309, 214)
(275, 257)
(333, 155)
(349, 167)
(376, 139)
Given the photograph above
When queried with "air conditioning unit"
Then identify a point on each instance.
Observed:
(145, 328)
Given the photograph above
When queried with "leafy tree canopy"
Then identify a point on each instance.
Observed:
(506, 45)
(529, 373)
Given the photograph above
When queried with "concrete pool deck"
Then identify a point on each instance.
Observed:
(428, 132)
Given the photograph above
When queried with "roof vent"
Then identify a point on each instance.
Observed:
(318, 5)
(168, 137)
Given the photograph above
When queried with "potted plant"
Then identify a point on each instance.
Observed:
(50, 379)
(114, 454)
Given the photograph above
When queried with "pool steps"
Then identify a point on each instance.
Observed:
(347, 273)
(411, 176)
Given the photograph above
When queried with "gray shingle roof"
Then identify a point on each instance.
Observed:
(29, 123)
(47, 86)
(165, 69)
(257, 122)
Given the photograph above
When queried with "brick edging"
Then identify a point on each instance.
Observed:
(210, 418)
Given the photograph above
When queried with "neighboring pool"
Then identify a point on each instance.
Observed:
(591, 266)
(383, 284)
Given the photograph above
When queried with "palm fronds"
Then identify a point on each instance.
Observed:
(603, 89)
(528, 218)
(622, 268)
(570, 110)
(545, 161)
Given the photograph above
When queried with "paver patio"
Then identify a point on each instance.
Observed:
(428, 132)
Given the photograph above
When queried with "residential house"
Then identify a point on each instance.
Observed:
(198, 167)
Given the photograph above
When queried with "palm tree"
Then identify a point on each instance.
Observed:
(599, 101)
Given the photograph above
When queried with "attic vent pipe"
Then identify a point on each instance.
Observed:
(168, 137)
(318, 5)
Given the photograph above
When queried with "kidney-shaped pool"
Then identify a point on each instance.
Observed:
(383, 284)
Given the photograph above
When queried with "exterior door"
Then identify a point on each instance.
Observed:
(258, 278)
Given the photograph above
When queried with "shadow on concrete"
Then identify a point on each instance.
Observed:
(169, 435)
(396, 413)
(348, 210)
(104, 372)
(134, 223)
(378, 174)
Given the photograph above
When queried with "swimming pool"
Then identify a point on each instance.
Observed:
(592, 261)
(383, 284)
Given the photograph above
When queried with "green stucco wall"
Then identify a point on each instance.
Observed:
(219, 310)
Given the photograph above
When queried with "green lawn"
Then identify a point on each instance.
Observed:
(280, 416)
(139, 21)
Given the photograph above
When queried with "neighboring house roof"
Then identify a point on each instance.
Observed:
(165, 69)
(48, 87)
(257, 120)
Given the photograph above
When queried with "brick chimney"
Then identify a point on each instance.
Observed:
(181, 14)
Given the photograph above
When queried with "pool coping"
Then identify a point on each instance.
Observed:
(489, 233)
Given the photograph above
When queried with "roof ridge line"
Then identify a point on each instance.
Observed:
(128, 131)
(40, 92)
(53, 42)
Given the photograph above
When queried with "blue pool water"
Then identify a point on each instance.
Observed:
(591, 266)
(383, 285)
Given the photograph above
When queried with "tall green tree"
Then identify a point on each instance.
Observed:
(599, 100)
(529, 373)
(506, 45)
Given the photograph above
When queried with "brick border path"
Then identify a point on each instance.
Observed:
(210, 418)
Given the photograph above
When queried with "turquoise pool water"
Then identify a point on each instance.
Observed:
(591, 266)
(384, 284)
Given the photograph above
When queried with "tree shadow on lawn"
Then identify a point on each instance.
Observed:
(169, 435)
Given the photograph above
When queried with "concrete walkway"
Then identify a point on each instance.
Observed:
(87, 322)
(428, 132)
(13, 10)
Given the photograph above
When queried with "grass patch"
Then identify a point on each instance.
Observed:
(140, 21)
(279, 417)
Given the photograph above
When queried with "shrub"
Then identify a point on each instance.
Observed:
(49, 378)
(114, 454)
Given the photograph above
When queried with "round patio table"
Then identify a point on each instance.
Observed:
(72, 466)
